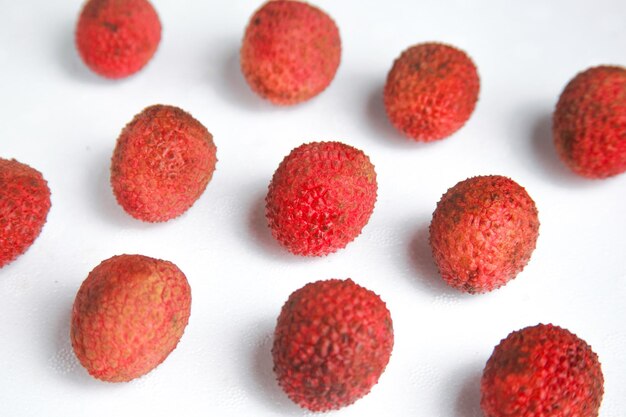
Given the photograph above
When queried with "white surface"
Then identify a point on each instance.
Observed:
(58, 117)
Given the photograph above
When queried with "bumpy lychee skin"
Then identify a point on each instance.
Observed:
(290, 52)
(116, 38)
(129, 314)
(320, 198)
(589, 123)
(483, 233)
(162, 163)
(24, 207)
(542, 371)
(332, 342)
(431, 91)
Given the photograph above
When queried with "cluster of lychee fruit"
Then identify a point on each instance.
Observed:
(333, 338)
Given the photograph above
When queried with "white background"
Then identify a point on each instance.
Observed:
(61, 119)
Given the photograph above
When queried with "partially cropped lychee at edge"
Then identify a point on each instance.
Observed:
(24, 207)
(117, 38)
(128, 315)
(332, 342)
(483, 233)
(589, 123)
(290, 51)
(542, 371)
(162, 163)
(320, 198)
(431, 91)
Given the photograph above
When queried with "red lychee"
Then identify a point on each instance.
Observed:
(589, 123)
(542, 371)
(483, 233)
(162, 163)
(332, 342)
(24, 207)
(129, 314)
(431, 91)
(116, 38)
(290, 52)
(320, 198)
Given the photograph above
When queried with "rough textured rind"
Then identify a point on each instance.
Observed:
(589, 123)
(290, 52)
(431, 91)
(542, 371)
(162, 163)
(24, 207)
(332, 342)
(483, 233)
(129, 314)
(116, 38)
(320, 198)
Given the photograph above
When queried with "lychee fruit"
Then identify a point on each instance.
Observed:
(542, 371)
(320, 198)
(129, 314)
(24, 207)
(589, 123)
(116, 38)
(483, 233)
(431, 91)
(162, 163)
(332, 342)
(290, 52)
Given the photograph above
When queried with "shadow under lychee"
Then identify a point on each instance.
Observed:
(267, 389)
(257, 225)
(379, 122)
(544, 152)
(98, 186)
(468, 400)
(234, 87)
(69, 60)
(385, 132)
(61, 360)
(420, 254)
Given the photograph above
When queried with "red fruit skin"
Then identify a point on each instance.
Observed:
(431, 91)
(116, 38)
(290, 52)
(24, 207)
(483, 233)
(542, 371)
(320, 198)
(589, 123)
(162, 163)
(129, 314)
(332, 342)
